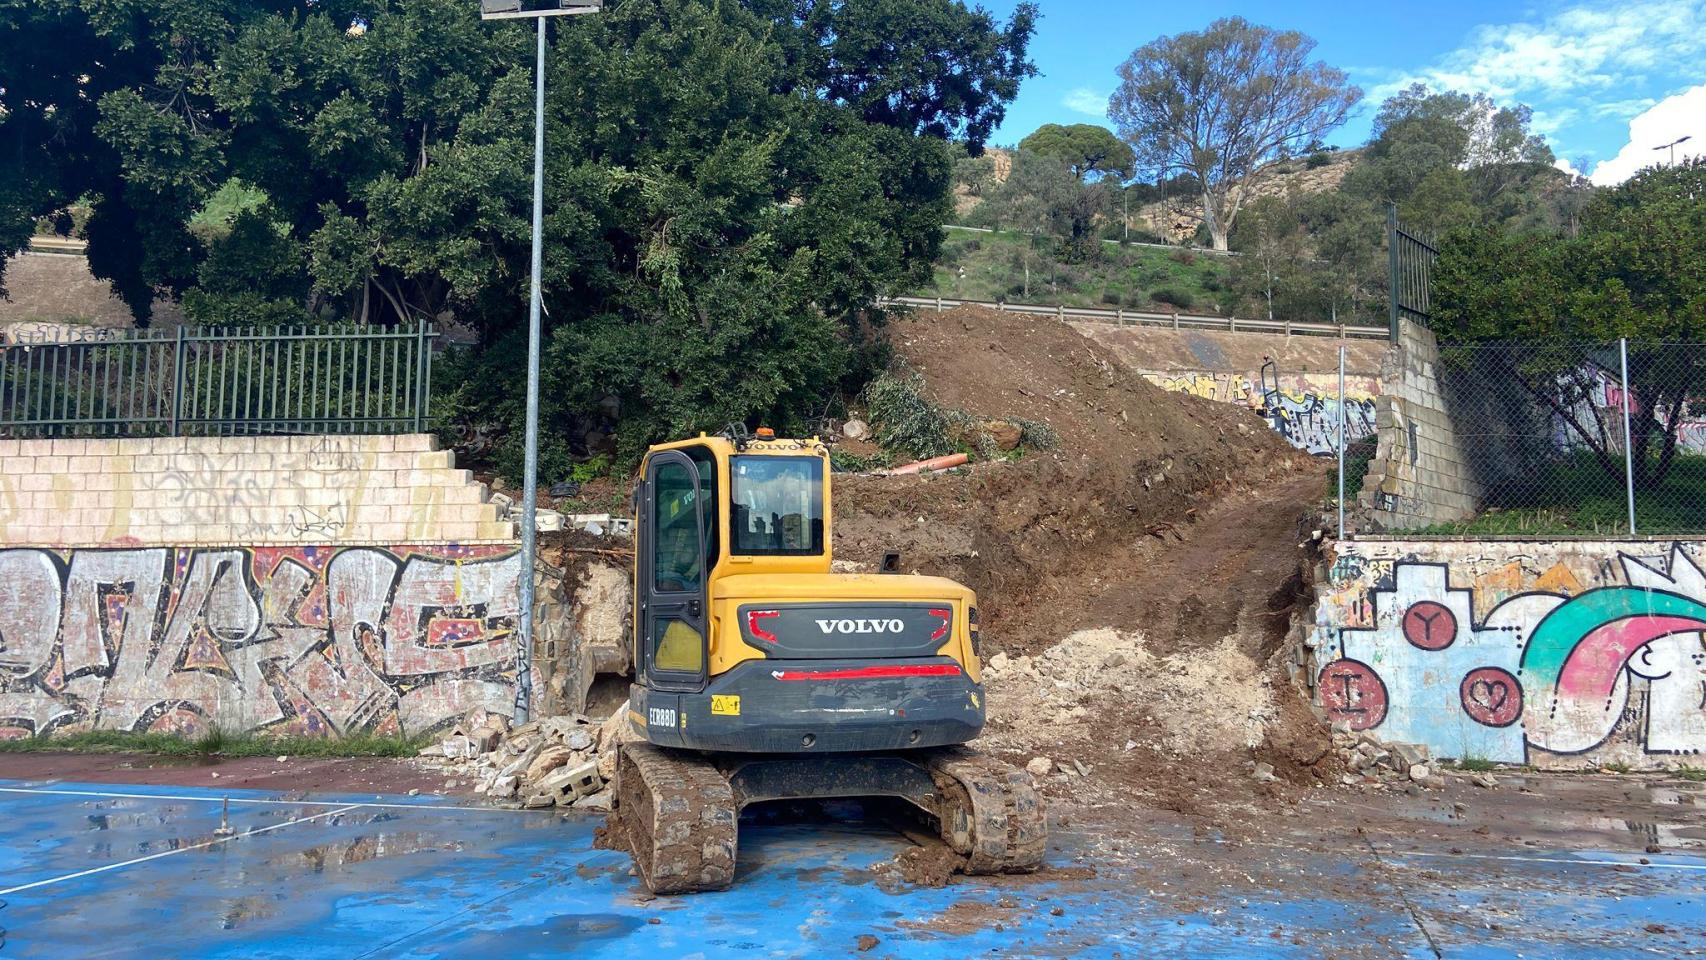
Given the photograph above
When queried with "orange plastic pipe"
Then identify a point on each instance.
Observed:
(924, 466)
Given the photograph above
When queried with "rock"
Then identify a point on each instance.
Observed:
(457, 747)
(1264, 773)
(1409, 754)
(578, 739)
(1485, 780)
(607, 765)
(1115, 659)
(432, 750)
(502, 787)
(867, 942)
(1039, 766)
(998, 663)
(855, 429)
(615, 729)
(1419, 772)
(549, 759)
(282, 759)
(414, 791)
(597, 801)
(485, 739)
(1078, 764)
(1006, 435)
(538, 801)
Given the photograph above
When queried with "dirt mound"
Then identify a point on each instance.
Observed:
(1042, 539)
(1135, 584)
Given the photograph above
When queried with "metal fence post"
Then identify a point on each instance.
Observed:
(1392, 267)
(420, 373)
(177, 380)
(1628, 437)
(1341, 441)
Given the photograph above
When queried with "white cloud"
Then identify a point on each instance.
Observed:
(1086, 101)
(1682, 115)
(1567, 167)
(1584, 51)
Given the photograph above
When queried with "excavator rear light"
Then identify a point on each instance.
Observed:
(947, 616)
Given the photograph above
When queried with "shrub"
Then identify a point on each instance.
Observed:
(904, 419)
(1213, 284)
(1318, 160)
(1184, 257)
(1111, 297)
(1174, 296)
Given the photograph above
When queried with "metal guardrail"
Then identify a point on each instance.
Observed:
(211, 381)
(1176, 321)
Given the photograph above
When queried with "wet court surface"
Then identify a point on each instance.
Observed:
(116, 870)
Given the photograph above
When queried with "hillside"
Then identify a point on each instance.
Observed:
(992, 266)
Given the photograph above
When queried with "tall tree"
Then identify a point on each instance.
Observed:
(729, 185)
(1223, 104)
(1088, 150)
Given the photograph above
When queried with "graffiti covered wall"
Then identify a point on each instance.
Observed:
(1304, 410)
(1557, 654)
(313, 640)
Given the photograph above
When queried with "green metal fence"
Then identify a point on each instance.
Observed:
(216, 381)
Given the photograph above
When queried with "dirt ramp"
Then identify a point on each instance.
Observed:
(1043, 540)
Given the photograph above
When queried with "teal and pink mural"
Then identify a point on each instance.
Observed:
(1554, 654)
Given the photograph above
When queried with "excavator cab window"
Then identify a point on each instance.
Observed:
(777, 506)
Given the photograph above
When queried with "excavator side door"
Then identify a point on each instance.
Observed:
(673, 649)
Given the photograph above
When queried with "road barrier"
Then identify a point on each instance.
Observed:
(1124, 317)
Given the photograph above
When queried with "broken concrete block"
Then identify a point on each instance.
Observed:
(1040, 766)
(569, 783)
(549, 759)
(597, 801)
(578, 739)
(502, 787)
(1409, 754)
(1264, 773)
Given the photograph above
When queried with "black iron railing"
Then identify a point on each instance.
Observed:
(214, 381)
(1410, 269)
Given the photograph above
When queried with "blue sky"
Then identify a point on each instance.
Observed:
(1590, 69)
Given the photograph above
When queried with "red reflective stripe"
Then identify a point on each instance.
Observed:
(947, 620)
(869, 673)
(752, 618)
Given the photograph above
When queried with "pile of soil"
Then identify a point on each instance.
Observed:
(1165, 525)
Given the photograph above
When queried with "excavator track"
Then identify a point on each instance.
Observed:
(990, 813)
(681, 819)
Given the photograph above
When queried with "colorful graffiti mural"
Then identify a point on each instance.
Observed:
(1528, 663)
(300, 640)
(1304, 410)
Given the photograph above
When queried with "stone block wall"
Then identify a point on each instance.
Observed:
(1421, 473)
(303, 585)
(246, 491)
(1560, 654)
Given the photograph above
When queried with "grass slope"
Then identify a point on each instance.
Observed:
(991, 266)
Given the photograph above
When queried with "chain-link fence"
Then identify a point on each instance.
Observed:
(1535, 439)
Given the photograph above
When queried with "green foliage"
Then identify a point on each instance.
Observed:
(1576, 497)
(994, 266)
(1086, 148)
(1476, 765)
(728, 184)
(905, 421)
(1174, 297)
(1692, 774)
(1631, 270)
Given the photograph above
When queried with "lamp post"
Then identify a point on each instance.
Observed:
(538, 10)
(1671, 146)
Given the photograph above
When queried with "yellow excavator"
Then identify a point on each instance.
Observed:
(761, 675)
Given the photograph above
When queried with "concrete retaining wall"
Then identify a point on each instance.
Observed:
(1558, 654)
(1420, 474)
(311, 585)
(245, 491)
(1226, 367)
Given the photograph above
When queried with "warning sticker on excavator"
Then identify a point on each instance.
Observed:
(725, 705)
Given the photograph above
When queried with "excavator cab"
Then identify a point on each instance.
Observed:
(761, 674)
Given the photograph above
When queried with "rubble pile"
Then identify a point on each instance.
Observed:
(566, 761)
(1373, 761)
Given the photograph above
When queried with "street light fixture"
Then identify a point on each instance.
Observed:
(1672, 147)
(539, 10)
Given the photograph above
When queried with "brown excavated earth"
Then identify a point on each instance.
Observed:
(1139, 580)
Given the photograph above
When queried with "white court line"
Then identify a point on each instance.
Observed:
(294, 803)
(167, 853)
(1567, 861)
